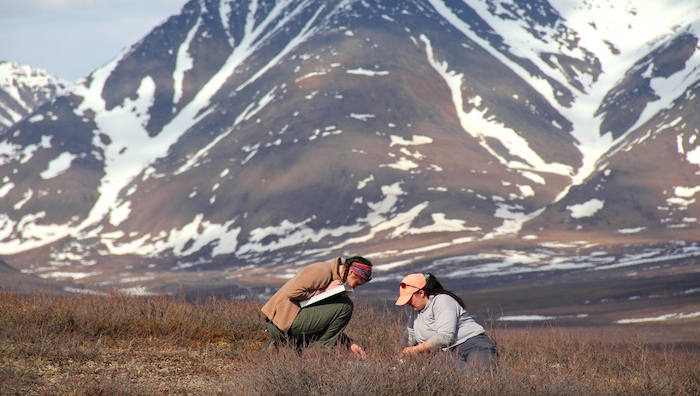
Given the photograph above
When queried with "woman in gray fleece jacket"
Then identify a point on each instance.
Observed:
(440, 321)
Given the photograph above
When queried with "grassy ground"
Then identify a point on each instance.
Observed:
(53, 344)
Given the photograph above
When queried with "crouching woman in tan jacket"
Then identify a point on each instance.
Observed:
(322, 323)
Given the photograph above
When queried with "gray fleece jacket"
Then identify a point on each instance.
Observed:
(443, 322)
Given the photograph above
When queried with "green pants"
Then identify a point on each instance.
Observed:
(321, 324)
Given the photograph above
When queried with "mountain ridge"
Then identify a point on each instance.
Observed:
(240, 136)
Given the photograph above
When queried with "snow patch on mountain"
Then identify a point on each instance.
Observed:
(370, 73)
(660, 318)
(58, 165)
(586, 209)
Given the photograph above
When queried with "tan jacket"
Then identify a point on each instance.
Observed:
(283, 306)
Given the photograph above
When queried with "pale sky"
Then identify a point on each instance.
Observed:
(70, 38)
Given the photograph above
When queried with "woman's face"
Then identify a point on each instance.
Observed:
(355, 280)
(418, 300)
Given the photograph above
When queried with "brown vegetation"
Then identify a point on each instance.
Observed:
(53, 344)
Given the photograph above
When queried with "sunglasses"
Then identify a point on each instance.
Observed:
(403, 286)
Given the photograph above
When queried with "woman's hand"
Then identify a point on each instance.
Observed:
(333, 284)
(358, 350)
(409, 351)
(416, 349)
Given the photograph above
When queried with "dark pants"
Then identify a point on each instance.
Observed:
(477, 351)
(321, 324)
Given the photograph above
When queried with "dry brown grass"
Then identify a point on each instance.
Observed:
(117, 345)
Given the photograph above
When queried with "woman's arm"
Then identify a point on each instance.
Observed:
(310, 281)
(416, 349)
(446, 320)
(409, 338)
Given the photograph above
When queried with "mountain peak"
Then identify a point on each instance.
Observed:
(23, 89)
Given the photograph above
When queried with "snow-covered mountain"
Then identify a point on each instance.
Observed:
(475, 137)
(23, 89)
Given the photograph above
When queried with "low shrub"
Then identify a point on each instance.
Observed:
(121, 345)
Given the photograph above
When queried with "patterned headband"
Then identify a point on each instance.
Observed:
(361, 270)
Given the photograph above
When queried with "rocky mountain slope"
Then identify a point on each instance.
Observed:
(241, 139)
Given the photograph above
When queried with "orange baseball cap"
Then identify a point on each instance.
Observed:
(409, 285)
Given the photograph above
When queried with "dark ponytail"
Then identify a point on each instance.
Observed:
(434, 287)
